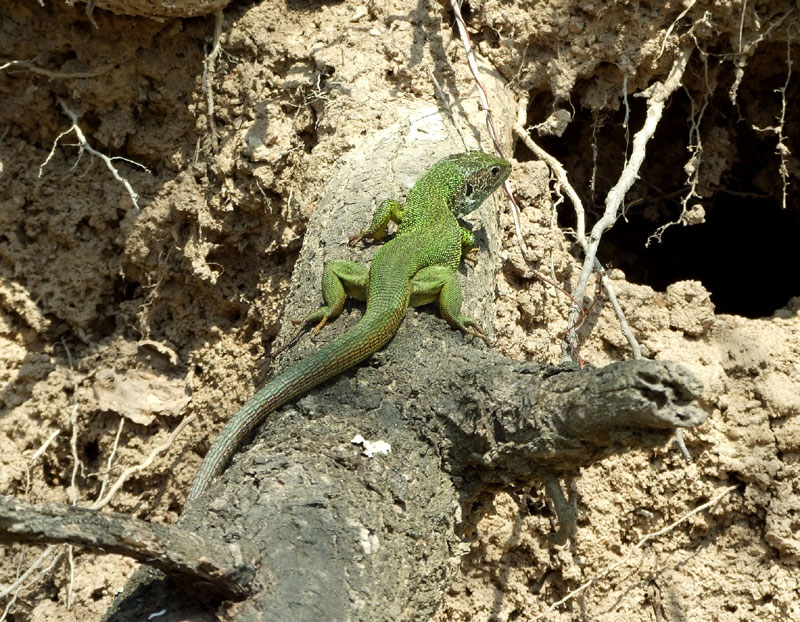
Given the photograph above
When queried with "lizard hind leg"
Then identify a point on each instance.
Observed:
(441, 283)
(340, 278)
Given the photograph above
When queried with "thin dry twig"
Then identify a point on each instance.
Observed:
(741, 24)
(781, 148)
(58, 75)
(37, 454)
(100, 503)
(111, 456)
(695, 162)
(473, 67)
(672, 26)
(644, 540)
(657, 96)
(28, 466)
(625, 122)
(558, 171)
(21, 582)
(83, 145)
(17, 586)
(76, 463)
(562, 181)
(624, 327)
(73, 441)
(740, 62)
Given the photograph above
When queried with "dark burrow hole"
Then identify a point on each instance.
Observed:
(92, 451)
(746, 252)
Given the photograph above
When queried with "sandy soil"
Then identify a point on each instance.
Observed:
(116, 322)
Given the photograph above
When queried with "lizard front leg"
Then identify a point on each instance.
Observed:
(440, 282)
(388, 210)
(469, 247)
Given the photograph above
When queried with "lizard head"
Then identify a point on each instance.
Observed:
(480, 175)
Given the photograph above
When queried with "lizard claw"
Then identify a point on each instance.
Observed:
(470, 327)
(472, 256)
(318, 327)
(479, 335)
(301, 324)
(355, 239)
(276, 352)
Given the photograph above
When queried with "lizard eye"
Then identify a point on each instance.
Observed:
(495, 171)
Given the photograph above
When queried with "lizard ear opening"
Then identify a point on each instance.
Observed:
(468, 190)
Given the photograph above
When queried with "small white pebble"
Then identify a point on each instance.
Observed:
(371, 448)
(361, 11)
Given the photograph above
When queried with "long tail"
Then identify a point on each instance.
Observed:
(364, 339)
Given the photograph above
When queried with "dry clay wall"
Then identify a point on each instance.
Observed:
(119, 319)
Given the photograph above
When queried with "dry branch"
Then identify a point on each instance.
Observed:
(484, 99)
(58, 75)
(340, 532)
(101, 502)
(54, 553)
(205, 565)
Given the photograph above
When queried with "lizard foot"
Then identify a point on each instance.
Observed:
(355, 239)
(472, 256)
(301, 326)
(470, 327)
(475, 333)
(318, 327)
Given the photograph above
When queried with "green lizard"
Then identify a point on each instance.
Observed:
(416, 267)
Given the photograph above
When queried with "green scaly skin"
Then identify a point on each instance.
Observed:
(416, 267)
